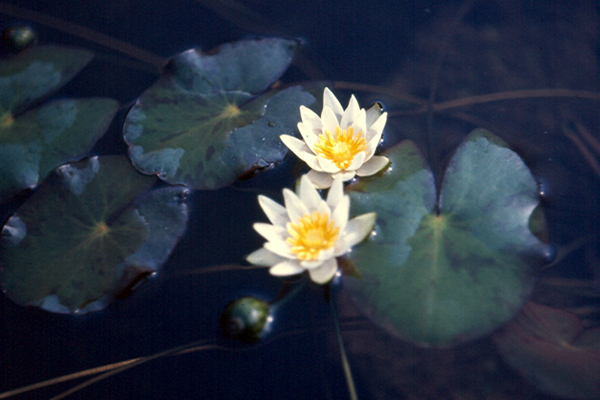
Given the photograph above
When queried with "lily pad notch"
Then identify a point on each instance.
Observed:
(438, 279)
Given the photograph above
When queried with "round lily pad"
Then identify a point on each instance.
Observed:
(202, 124)
(36, 72)
(34, 142)
(442, 270)
(87, 234)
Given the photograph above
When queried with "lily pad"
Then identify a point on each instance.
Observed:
(202, 125)
(36, 142)
(36, 72)
(551, 348)
(439, 271)
(88, 233)
(32, 143)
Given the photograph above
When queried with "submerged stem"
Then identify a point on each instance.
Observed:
(345, 363)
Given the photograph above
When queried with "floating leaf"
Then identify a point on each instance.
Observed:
(35, 73)
(551, 348)
(86, 234)
(201, 124)
(38, 141)
(35, 142)
(439, 278)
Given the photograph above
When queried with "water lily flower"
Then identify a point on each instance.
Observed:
(309, 232)
(340, 143)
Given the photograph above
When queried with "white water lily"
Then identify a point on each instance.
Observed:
(340, 143)
(309, 232)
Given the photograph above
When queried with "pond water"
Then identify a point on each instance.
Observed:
(527, 71)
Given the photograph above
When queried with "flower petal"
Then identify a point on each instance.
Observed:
(301, 150)
(276, 213)
(264, 258)
(310, 136)
(310, 118)
(311, 264)
(360, 123)
(344, 175)
(325, 272)
(358, 228)
(350, 114)
(373, 113)
(372, 146)
(335, 194)
(294, 206)
(308, 194)
(339, 214)
(329, 100)
(273, 233)
(321, 180)
(377, 127)
(357, 161)
(286, 268)
(372, 166)
(329, 120)
(327, 165)
(281, 249)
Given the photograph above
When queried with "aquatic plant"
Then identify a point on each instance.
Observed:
(457, 249)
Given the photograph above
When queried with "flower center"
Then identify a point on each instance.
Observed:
(341, 148)
(311, 234)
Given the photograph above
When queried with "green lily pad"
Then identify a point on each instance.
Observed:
(35, 73)
(551, 348)
(441, 271)
(36, 142)
(87, 234)
(202, 125)
(32, 143)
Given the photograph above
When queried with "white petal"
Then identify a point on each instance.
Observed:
(339, 214)
(372, 166)
(373, 113)
(358, 228)
(324, 209)
(357, 161)
(329, 100)
(280, 248)
(308, 194)
(327, 165)
(350, 114)
(377, 127)
(310, 136)
(311, 264)
(329, 120)
(264, 258)
(310, 118)
(301, 150)
(325, 272)
(285, 268)
(344, 175)
(294, 206)
(372, 146)
(360, 123)
(276, 213)
(273, 233)
(335, 194)
(341, 247)
(321, 180)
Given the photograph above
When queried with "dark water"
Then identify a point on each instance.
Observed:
(461, 49)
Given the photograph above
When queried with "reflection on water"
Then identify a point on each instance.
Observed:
(527, 71)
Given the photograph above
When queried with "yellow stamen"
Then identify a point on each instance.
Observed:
(341, 148)
(311, 234)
